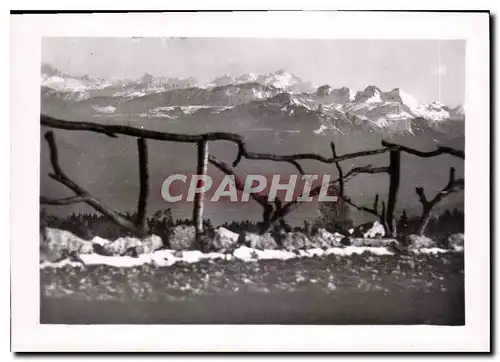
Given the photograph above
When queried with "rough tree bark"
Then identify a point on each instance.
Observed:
(201, 169)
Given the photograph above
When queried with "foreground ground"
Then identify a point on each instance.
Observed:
(355, 289)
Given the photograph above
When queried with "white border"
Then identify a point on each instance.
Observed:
(29, 335)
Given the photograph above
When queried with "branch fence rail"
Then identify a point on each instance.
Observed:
(273, 212)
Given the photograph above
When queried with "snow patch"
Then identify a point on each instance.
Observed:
(245, 253)
(408, 99)
(312, 252)
(191, 256)
(275, 254)
(435, 111)
(430, 251)
(321, 129)
(376, 230)
(61, 264)
(350, 250)
(107, 109)
(116, 261)
(71, 84)
(100, 241)
(375, 98)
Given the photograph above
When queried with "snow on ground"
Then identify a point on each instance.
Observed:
(248, 254)
(167, 257)
(100, 241)
(431, 251)
(350, 250)
(164, 257)
(60, 264)
(376, 229)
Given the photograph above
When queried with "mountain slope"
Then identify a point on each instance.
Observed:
(279, 98)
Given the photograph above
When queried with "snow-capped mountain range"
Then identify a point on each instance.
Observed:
(275, 95)
(280, 79)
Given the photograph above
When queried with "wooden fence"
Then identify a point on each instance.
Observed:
(273, 212)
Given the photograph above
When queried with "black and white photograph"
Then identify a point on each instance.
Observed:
(251, 180)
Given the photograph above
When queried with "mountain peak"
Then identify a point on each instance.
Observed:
(372, 88)
(324, 90)
(223, 80)
(340, 95)
(398, 95)
(147, 78)
(371, 94)
(247, 78)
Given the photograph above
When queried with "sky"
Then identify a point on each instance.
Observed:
(430, 70)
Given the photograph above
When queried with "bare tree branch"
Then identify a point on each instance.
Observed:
(271, 213)
(66, 201)
(421, 196)
(289, 206)
(61, 177)
(225, 168)
(297, 166)
(375, 203)
(369, 210)
(439, 151)
(453, 185)
(367, 169)
(261, 199)
(113, 130)
(243, 153)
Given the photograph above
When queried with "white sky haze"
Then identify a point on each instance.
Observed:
(427, 69)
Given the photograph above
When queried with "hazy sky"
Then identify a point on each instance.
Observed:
(427, 69)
